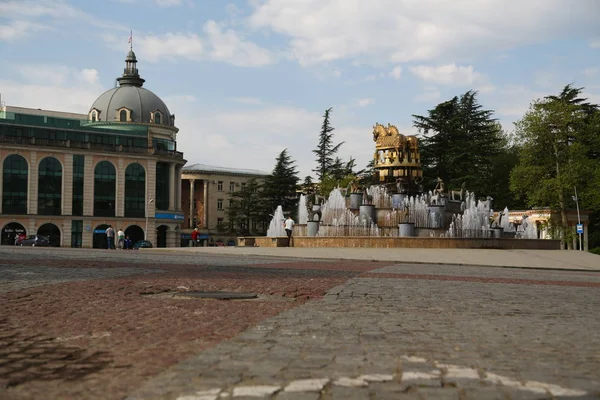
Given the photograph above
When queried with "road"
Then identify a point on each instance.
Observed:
(102, 324)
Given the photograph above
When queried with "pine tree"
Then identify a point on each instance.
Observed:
(461, 141)
(245, 214)
(325, 150)
(280, 187)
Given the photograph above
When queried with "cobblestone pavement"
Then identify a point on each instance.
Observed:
(114, 324)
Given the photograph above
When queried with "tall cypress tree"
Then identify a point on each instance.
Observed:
(326, 150)
(280, 187)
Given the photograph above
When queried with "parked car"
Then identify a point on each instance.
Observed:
(142, 244)
(33, 240)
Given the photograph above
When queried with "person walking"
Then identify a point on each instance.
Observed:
(289, 225)
(110, 237)
(120, 239)
(195, 237)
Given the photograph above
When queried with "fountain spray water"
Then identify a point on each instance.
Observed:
(302, 210)
(276, 228)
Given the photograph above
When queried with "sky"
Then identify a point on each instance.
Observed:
(248, 79)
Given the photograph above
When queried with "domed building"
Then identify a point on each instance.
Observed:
(69, 176)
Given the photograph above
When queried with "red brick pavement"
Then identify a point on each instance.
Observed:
(100, 339)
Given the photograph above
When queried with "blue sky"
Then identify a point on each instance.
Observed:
(247, 79)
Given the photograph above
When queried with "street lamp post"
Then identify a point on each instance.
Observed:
(147, 211)
(578, 218)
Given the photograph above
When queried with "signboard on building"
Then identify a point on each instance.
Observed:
(178, 217)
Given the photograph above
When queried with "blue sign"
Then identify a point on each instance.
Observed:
(579, 228)
(178, 217)
(102, 231)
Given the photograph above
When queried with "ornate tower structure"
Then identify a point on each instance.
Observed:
(397, 160)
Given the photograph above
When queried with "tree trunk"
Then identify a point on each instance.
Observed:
(561, 202)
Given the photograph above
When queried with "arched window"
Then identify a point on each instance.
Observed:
(135, 191)
(50, 187)
(162, 185)
(94, 116)
(14, 185)
(123, 116)
(105, 179)
(157, 117)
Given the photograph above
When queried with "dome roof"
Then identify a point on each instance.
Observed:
(140, 101)
(141, 105)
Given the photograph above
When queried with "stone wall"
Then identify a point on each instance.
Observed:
(407, 242)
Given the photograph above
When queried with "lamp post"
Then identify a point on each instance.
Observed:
(147, 210)
(578, 217)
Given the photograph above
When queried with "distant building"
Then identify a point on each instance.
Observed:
(68, 176)
(206, 193)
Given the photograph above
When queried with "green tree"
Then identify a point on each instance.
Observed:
(245, 214)
(559, 142)
(326, 150)
(280, 187)
(461, 142)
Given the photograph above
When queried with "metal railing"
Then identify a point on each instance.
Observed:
(113, 148)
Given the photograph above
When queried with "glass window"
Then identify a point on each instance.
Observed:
(105, 178)
(220, 204)
(14, 185)
(219, 223)
(157, 117)
(50, 187)
(76, 233)
(162, 186)
(232, 186)
(78, 165)
(135, 191)
(220, 186)
(94, 116)
(123, 116)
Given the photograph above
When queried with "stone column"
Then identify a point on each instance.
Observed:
(192, 188)
(32, 196)
(67, 187)
(88, 235)
(65, 237)
(88, 186)
(172, 188)
(120, 192)
(206, 182)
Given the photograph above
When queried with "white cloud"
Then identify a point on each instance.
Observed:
(591, 72)
(52, 87)
(337, 73)
(217, 44)
(595, 44)
(248, 100)
(365, 102)
(89, 75)
(396, 73)
(428, 96)
(170, 45)
(18, 29)
(254, 135)
(227, 45)
(400, 31)
(167, 3)
(33, 11)
(449, 74)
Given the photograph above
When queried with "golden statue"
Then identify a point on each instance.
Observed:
(396, 156)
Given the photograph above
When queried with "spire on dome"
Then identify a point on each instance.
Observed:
(130, 74)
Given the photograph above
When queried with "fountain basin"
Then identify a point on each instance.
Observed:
(405, 242)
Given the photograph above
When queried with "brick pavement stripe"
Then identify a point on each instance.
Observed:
(480, 279)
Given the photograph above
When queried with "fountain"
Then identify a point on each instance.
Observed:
(276, 228)
(398, 213)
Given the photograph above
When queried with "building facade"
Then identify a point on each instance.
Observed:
(68, 176)
(206, 195)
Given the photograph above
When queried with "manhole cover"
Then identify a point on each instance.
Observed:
(220, 295)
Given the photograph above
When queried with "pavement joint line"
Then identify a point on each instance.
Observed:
(461, 264)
